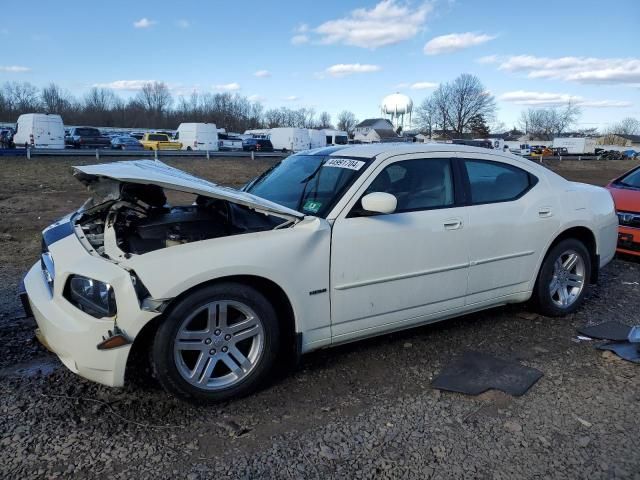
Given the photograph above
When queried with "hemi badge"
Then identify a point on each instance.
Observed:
(316, 292)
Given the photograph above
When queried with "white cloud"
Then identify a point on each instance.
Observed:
(291, 98)
(488, 59)
(547, 99)
(455, 41)
(257, 98)
(575, 69)
(422, 85)
(387, 23)
(302, 28)
(299, 39)
(184, 23)
(144, 23)
(227, 87)
(262, 74)
(344, 69)
(130, 85)
(14, 69)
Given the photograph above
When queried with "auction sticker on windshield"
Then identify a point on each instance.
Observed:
(344, 163)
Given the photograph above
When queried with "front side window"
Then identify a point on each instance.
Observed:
(491, 182)
(417, 184)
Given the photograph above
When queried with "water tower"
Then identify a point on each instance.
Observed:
(396, 106)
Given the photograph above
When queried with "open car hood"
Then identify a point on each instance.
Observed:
(153, 172)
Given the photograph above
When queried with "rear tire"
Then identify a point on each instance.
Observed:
(218, 343)
(563, 278)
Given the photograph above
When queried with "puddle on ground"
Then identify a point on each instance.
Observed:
(40, 367)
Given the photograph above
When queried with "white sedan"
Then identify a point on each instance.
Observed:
(326, 247)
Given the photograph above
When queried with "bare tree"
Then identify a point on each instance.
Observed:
(426, 116)
(55, 100)
(347, 121)
(627, 126)
(22, 97)
(325, 120)
(545, 123)
(467, 98)
(155, 97)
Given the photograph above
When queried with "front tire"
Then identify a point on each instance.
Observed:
(218, 343)
(563, 277)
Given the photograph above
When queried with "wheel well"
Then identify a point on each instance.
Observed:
(587, 237)
(139, 353)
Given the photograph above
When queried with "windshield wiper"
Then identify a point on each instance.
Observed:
(306, 184)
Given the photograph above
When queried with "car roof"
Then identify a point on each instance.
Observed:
(375, 149)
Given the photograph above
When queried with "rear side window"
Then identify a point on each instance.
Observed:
(492, 182)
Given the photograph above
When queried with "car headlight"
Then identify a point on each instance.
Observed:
(91, 296)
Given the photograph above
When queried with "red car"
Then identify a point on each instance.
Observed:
(625, 191)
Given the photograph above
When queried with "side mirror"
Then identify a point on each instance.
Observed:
(379, 202)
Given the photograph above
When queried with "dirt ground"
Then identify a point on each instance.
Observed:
(365, 410)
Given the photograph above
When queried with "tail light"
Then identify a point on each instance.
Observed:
(195, 144)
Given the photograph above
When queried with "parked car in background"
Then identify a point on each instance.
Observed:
(326, 247)
(257, 145)
(39, 130)
(159, 141)
(229, 143)
(198, 136)
(137, 135)
(86, 137)
(6, 138)
(125, 142)
(560, 151)
(625, 191)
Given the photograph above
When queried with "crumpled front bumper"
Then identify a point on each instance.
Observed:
(72, 334)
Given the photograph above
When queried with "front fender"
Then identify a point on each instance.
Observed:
(296, 259)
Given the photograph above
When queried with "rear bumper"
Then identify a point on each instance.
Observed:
(629, 240)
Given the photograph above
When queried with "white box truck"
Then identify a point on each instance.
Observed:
(336, 137)
(39, 130)
(576, 146)
(290, 139)
(198, 136)
(317, 138)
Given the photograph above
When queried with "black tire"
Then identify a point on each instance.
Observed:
(162, 355)
(543, 298)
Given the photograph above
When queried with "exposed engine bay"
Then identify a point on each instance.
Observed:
(140, 220)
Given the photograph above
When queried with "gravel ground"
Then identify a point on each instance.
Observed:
(364, 410)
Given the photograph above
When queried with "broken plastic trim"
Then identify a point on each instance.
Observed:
(145, 301)
(115, 338)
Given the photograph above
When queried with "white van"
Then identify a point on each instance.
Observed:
(198, 136)
(317, 138)
(39, 130)
(290, 139)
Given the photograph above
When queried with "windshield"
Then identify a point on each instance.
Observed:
(632, 179)
(311, 184)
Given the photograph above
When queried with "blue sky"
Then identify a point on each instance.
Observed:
(336, 55)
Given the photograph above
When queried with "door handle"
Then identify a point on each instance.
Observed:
(453, 224)
(545, 212)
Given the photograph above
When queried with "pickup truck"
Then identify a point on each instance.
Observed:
(86, 137)
(159, 141)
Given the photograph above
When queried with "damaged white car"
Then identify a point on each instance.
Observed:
(326, 247)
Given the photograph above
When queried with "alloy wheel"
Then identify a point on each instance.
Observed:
(568, 279)
(218, 345)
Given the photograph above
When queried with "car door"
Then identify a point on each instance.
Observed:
(391, 271)
(512, 215)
